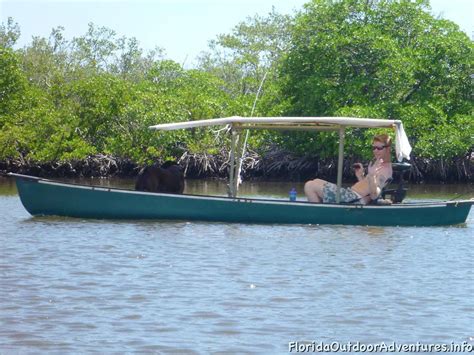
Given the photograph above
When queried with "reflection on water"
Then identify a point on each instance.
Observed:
(75, 286)
(7, 186)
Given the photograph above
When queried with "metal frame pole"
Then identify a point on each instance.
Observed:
(340, 163)
(231, 191)
(238, 162)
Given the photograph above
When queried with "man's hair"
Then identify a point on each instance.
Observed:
(384, 139)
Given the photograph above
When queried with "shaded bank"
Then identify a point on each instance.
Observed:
(92, 166)
(276, 165)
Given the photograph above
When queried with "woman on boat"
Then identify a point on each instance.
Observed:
(367, 188)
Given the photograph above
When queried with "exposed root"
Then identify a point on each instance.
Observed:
(273, 165)
(92, 166)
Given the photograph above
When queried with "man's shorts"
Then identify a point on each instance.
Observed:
(347, 195)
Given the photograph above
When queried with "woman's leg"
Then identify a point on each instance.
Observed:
(313, 190)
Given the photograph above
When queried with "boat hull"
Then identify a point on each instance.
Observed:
(45, 197)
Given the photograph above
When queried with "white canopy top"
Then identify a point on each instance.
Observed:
(402, 146)
(254, 122)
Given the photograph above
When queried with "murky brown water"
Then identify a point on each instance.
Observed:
(75, 286)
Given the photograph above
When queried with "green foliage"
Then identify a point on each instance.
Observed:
(39, 132)
(99, 93)
(241, 59)
(12, 83)
(385, 59)
(65, 100)
(9, 33)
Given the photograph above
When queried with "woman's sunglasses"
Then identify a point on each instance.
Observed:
(374, 147)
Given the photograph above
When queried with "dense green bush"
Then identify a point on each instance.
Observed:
(381, 59)
(97, 94)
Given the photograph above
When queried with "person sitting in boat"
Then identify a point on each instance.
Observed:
(367, 188)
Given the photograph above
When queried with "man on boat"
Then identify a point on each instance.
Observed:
(367, 188)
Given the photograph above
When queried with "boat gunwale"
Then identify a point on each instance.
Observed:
(426, 204)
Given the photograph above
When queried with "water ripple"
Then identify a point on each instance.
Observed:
(78, 286)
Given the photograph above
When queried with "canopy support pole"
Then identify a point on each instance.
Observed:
(231, 187)
(340, 163)
(240, 147)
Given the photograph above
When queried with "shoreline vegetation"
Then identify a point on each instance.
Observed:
(275, 166)
(82, 106)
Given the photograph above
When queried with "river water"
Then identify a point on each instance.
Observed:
(75, 286)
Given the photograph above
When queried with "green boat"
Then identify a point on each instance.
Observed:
(44, 197)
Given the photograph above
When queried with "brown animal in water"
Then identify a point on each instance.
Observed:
(168, 178)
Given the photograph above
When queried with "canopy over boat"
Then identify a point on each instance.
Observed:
(237, 123)
(402, 146)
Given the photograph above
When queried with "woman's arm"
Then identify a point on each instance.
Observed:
(375, 179)
(373, 187)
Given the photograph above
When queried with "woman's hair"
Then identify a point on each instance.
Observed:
(384, 139)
